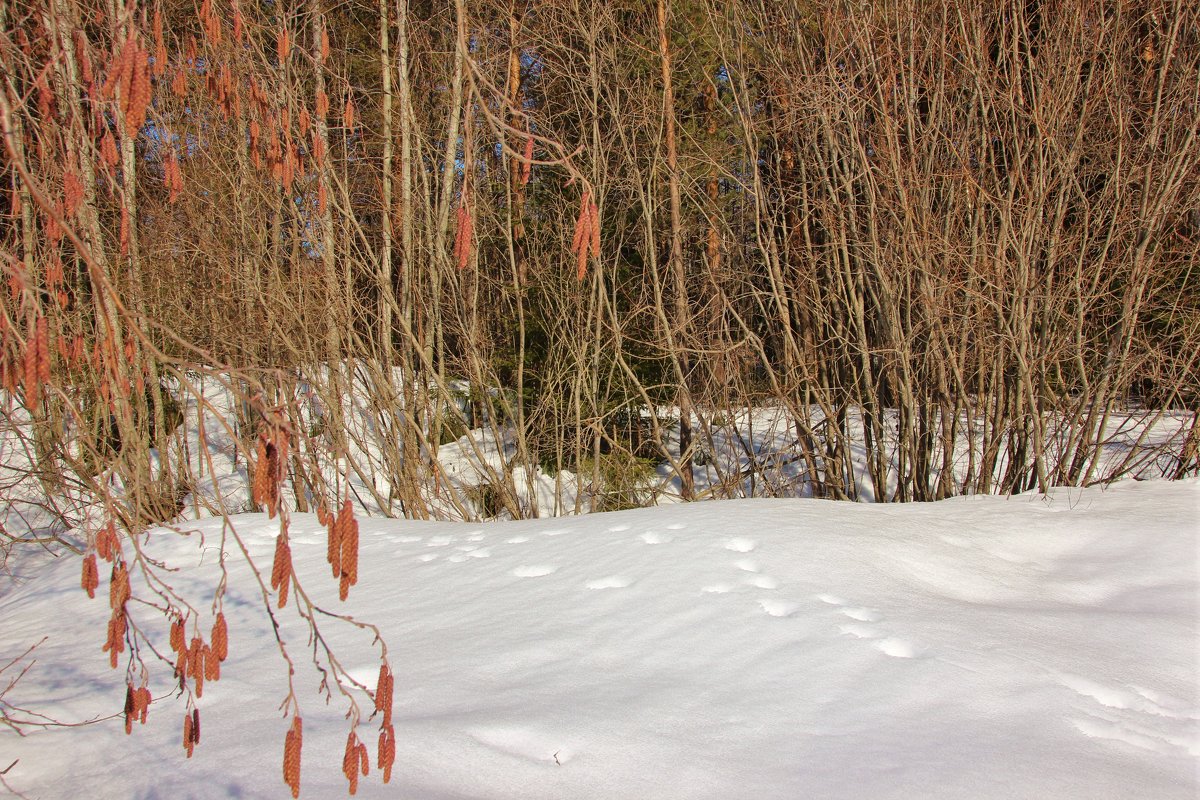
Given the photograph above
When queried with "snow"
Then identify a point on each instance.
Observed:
(984, 647)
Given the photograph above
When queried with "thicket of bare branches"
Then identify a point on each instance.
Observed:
(954, 243)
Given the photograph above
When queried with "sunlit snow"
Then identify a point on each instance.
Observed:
(1029, 647)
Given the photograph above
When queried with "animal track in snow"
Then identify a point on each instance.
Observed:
(762, 582)
(860, 631)
(718, 588)
(897, 648)
(611, 582)
(427, 557)
(676, 526)
(406, 539)
(747, 565)
(619, 528)
(440, 541)
(469, 551)
(534, 570)
(862, 614)
(893, 646)
(740, 544)
(556, 531)
(518, 540)
(653, 537)
(779, 608)
(523, 743)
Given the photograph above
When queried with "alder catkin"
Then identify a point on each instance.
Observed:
(130, 708)
(212, 665)
(349, 543)
(188, 744)
(350, 762)
(91, 575)
(463, 236)
(108, 546)
(291, 756)
(118, 587)
(177, 635)
(220, 637)
(334, 552)
(114, 644)
(281, 569)
(195, 666)
(594, 215)
(387, 751)
(139, 92)
(282, 45)
(141, 701)
(383, 694)
(258, 486)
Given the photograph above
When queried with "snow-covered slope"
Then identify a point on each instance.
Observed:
(1032, 647)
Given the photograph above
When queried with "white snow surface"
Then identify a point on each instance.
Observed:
(1029, 647)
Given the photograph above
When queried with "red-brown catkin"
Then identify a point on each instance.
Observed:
(188, 743)
(118, 588)
(91, 575)
(291, 756)
(349, 542)
(141, 702)
(383, 694)
(220, 637)
(130, 709)
(281, 569)
(350, 762)
(387, 751)
(177, 635)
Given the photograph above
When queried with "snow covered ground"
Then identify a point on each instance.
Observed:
(983, 647)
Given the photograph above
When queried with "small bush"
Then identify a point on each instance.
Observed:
(625, 481)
